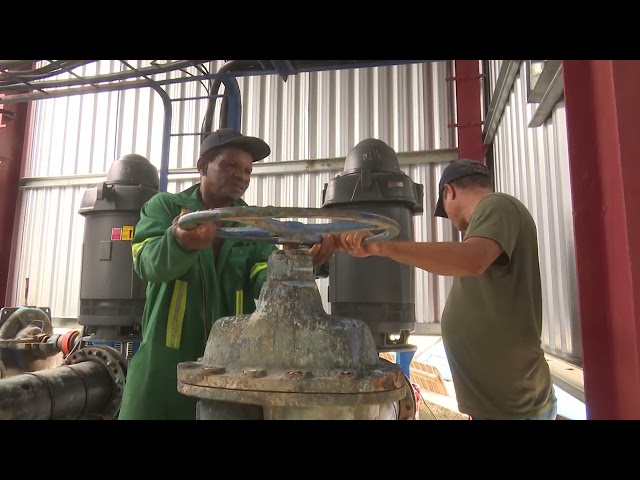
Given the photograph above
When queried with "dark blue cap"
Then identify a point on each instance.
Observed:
(455, 171)
(256, 147)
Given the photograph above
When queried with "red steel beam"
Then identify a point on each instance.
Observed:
(12, 135)
(468, 110)
(602, 101)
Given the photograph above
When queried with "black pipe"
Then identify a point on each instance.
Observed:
(67, 392)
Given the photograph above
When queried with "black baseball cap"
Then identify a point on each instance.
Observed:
(228, 136)
(455, 171)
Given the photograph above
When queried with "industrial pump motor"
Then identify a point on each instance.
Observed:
(376, 290)
(112, 295)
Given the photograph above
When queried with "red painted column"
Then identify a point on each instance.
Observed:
(468, 110)
(12, 135)
(603, 116)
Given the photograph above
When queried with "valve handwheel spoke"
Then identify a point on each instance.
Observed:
(263, 225)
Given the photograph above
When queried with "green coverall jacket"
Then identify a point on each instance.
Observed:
(187, 291)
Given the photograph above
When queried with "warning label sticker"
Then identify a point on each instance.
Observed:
(116, 234)
(127, 232)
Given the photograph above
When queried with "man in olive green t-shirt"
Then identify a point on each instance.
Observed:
(492, 321)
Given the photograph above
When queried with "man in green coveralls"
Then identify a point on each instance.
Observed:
(492, 321)
(194, 277)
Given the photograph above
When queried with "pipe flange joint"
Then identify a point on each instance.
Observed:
(113, 361)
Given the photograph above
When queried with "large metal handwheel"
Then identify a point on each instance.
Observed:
(264, 226)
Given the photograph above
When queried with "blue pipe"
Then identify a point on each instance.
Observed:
(404, 360)
(234, 102)
(166, 137)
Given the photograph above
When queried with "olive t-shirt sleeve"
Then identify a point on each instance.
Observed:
(497, 218)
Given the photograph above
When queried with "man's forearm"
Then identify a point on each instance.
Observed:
(441, 258)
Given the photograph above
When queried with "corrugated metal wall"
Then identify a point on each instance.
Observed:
(533, 165)
(311, 116)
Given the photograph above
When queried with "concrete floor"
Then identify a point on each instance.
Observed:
(568, 381)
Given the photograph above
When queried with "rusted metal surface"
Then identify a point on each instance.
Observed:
(291, 354)
(380, 379)
(294, 399)
(39, 346)
(28, 330)
(23, 322)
